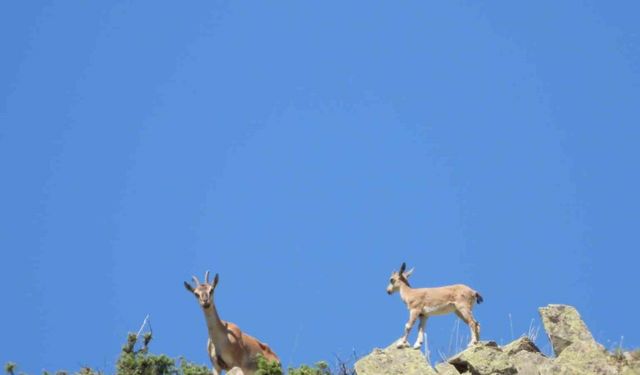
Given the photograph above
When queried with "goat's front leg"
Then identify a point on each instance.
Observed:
(404, 340)
(213, 356)
(419, 340)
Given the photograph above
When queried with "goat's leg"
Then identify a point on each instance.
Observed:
(419, 340)
(217, 369)
(404, 340)
(465, 314)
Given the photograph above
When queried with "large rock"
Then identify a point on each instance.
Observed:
(523, 343)
(564, 327)
(572, 342)
(483, 358)
(446, 368)
(394, 361)
(587, 358)
(532, 363)
(235, 371)
(630, 363)
(526, 356)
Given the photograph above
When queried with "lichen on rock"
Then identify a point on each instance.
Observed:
(564, 327)
(394, 361)
(446, 368)
(521, 344)
(484, 358)
(529, 363)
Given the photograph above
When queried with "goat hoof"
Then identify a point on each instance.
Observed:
(402, 345)
(417, 347)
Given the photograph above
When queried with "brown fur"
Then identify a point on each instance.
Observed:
(228, 346)
(425, 302)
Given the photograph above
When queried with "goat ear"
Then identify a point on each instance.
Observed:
(188, 287)
(403, 267)
(216, 278)
(408, 273)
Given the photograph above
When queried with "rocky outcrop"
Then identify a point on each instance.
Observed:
(576, 353)
(394, 361)
(572, 342)
(631, 363)
(584, 358)
(565, 327)
(484, 358)
(533, 363)
(522, 344)
(446, 368)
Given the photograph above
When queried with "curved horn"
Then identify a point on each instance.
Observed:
(195, 280)
(206, 277)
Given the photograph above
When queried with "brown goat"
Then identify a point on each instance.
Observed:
(228, 346)
(425, 302)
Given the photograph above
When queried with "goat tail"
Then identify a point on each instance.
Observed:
(479, 298)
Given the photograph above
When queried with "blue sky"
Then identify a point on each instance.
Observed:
(303, 151)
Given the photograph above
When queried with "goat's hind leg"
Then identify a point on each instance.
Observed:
(465, 314)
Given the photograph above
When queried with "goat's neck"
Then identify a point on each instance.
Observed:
(405, 290)
(215, 326)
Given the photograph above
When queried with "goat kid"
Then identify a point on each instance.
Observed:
(425, 302)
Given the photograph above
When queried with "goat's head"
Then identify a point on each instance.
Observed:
(398, 278)
(203, 291)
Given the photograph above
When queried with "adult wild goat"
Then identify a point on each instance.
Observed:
(425, 302)
(228, 346)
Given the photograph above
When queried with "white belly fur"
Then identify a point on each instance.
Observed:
(438, 310)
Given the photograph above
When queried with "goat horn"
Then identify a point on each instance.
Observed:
(195, 280)
(206, 277)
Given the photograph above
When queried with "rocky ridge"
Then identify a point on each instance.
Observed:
(576, 353)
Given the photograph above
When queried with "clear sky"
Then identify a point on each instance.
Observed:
(303, 150)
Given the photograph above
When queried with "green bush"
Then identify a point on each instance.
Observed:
(188, 368)
(10, 368)
(266, 367)
(320, 368)
(141, 362)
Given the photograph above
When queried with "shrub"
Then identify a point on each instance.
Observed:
(188, 368)
(266, 367)
(320, 368)
(141, 362)
(10, 368)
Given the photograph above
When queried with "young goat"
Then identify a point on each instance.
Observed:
(228, 346)
(425, 302)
